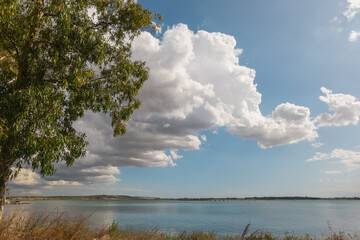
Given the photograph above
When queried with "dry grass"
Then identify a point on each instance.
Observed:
(60, 227)
(45, 227)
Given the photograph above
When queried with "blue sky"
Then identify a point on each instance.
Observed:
(210, 127)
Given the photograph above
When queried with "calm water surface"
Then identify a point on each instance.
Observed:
(228, 217)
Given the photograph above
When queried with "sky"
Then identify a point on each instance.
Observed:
(245, 98)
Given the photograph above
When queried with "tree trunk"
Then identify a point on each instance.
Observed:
(5, 172)
(3, 187)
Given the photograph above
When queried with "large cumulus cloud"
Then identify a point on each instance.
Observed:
(201, 85)
(196, 83)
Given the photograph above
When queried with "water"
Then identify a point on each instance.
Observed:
(227, 217)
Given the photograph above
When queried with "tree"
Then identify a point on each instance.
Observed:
(59, 59)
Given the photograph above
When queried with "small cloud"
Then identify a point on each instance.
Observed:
(64, 183)
(318, 157)
(215, 131)
(317, 144)
(352, 9)
(346, 109)
(350, 159)
(203, 137)
(335, 19)
(175, 156)
(166, 125)
(333, 172)
(354, 36)
(238, 52)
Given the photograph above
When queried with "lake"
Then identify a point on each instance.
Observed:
(224, 217)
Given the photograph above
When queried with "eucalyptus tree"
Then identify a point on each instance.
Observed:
(59, 59)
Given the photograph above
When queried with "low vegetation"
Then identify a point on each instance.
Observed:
(60, 227)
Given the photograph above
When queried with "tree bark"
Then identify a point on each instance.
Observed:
(3, 187)
(5, 171)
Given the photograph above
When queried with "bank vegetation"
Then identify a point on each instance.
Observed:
(60, 227)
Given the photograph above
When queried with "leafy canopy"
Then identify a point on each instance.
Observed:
(59, 59)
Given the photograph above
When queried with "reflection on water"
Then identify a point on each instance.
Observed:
(229, 217)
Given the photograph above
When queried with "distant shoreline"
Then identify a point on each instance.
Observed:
(122, 197)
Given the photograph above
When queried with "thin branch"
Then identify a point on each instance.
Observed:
(11, 40)
(12, 81)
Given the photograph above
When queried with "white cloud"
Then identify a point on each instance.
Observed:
(346, 109)
(350, 159)
(317, 144)
(196, 83)
(318, 157)
(352, 9)
(288, 124)
(354, 36)
(27, 179)
(203, 137)
(63, 183)
(174, 155)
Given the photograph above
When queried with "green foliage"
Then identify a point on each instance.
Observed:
(59, 59)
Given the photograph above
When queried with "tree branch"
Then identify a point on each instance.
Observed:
(12, 41)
